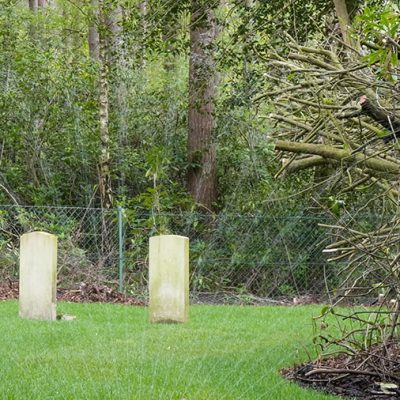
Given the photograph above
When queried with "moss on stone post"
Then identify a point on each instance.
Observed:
(169, 278)
(38, 276)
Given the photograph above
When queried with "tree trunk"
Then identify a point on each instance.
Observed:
(93, 31)
(118, 71)
(33, 5)
(114, 37)
(104, 161)
(344, 20)
(202, 183)
(143, 6)
(42, 3)
(247, 55)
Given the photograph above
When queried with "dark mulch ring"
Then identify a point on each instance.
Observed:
(89, 293)
(370, 375)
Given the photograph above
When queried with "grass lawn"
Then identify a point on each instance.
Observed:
(111, 352)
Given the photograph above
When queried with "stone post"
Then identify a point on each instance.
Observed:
(38, 276)
(169, 278)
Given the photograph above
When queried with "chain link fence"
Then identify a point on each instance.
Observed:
(262, 256)
(259, 256)
(88, 247)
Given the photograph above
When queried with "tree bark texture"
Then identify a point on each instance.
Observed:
(143, 10)
(33, 5)
(344, 19)
(104, 160)
(376, 164)
(202, 179)
(93, 38)
(383, 117)
(114, 21)
(42, 3)
(118, 87)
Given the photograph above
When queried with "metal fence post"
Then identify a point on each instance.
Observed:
(120, 211)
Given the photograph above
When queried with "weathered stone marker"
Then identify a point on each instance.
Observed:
(169, 278)
(37, 276)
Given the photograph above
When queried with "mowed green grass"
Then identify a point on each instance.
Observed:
(112, 352)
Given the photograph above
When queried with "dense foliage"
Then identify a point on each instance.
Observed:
(75, 118)
(49, 104)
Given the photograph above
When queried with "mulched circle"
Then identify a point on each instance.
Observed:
(353, 378)
(87, 293)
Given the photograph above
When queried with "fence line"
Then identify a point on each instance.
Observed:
(263, 255)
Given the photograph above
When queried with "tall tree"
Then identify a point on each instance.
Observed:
(143, 6)
(344, 19)
(104, 159)
(118, 89)
(93, 38)
(202, 177)
(33, 5)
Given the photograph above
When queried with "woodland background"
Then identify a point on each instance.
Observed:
(191, 113)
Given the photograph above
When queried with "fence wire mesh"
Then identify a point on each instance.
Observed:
(87, 241)
(247, 255)
(255, 256)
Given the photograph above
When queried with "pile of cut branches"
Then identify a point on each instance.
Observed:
(362, 361)
(321, 122)
(337, 117)
(371, 374)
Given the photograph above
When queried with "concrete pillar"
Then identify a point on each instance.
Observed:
(169, 278)
(38, 276)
